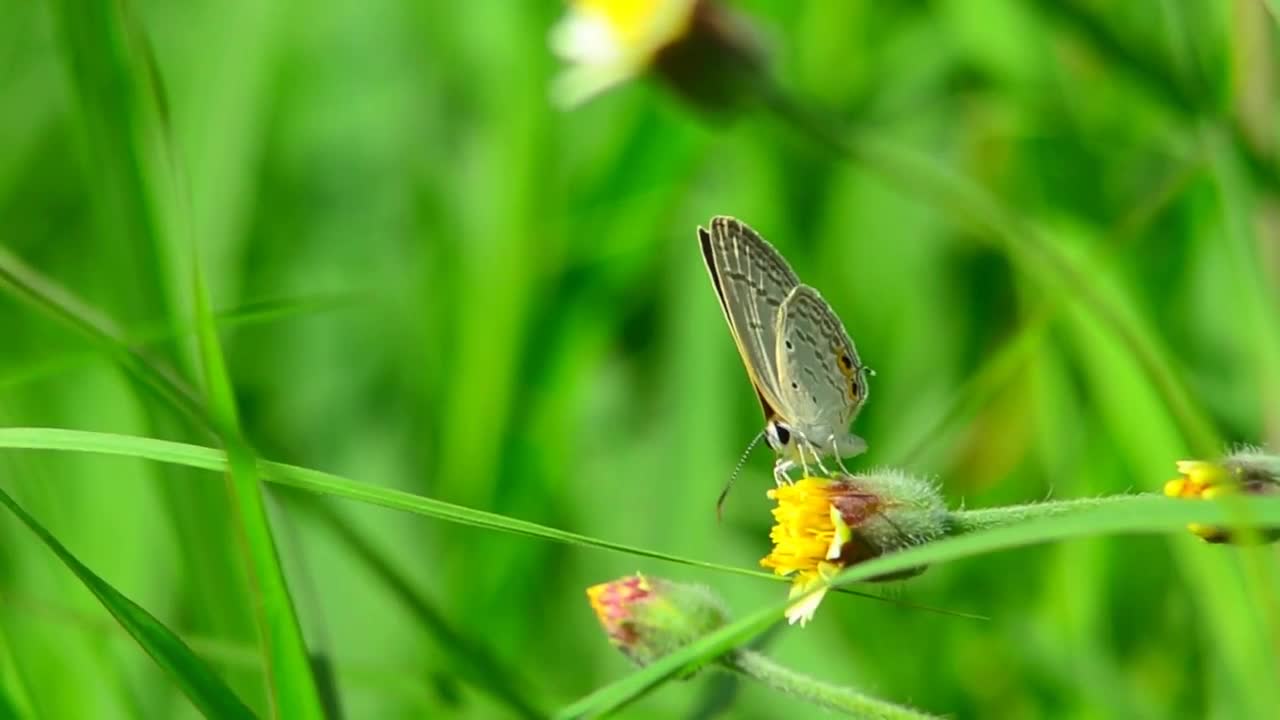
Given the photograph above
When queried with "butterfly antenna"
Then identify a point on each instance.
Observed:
(741, 462)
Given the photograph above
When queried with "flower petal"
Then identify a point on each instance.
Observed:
(802, 611)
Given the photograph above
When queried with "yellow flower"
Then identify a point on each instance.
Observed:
(823, 525)
(1246, 471)
(608, 42)
(807, 538)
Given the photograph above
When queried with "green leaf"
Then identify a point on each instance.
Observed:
(206, 691)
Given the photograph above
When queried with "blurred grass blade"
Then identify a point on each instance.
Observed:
(1043, 262)
(206, 691)
(468, 659)
(1135, 514)
(14, 694)
(51, 298)
(31, 287)
(17, 279)
(1160, 79)
(326, 484)
(292, 686)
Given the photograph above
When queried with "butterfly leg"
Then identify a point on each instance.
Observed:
(802, 444)
(839, 461)
(817, 458)
(804, 466)
(782, 471)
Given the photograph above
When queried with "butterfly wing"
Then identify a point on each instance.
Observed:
(752, 280)
(820, 374)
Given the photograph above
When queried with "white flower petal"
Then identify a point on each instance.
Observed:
(585, 37)
(802, 612)
(575, 85)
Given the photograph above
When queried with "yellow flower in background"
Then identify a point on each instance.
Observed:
(824, 525)
(608, 42)
(1246, 472)
(707, 54)
(1200, 479)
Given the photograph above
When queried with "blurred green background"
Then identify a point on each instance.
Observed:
(431, 279)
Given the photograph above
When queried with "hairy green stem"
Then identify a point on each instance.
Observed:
(833, 697)
(960, 522)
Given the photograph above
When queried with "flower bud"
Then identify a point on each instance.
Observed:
(824, 525)
(647, 618)
(1245, 471)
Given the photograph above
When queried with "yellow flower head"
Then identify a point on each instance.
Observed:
(608, 42)
(823, 525)
(1246, 471)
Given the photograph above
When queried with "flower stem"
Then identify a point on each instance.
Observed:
(833, 697)
(966, 521)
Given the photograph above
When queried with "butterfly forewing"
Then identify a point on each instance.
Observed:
(820, 378)
(752, 281)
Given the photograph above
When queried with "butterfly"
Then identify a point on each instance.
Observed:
(804, 367)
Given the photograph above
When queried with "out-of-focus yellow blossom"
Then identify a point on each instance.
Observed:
(1244, 472)
(699, 48)
(607, 42)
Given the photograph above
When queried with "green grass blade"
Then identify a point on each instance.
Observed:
(205, 690)
(248, 315)
(28, 285)
(469, 659)
(1158, 78)
(292, 685)
(1127, 515)
(1135, 514)
(15, 697)
(1043, 262)
(1273, 9)
(315, 481)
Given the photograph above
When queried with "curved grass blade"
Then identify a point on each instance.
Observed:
(323, 483)
(1129, 515)
(200, 684)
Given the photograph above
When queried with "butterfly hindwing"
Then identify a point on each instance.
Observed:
(821, 383)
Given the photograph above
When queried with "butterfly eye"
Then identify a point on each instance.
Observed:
(779, 435)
